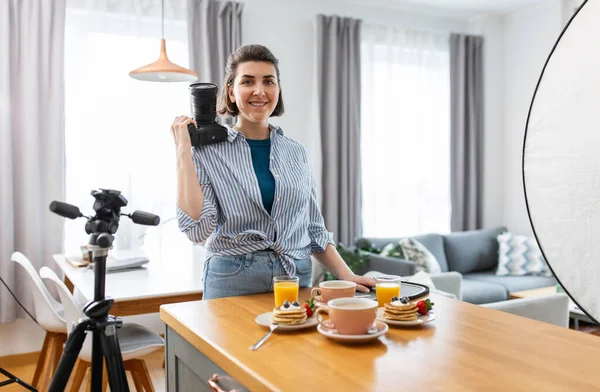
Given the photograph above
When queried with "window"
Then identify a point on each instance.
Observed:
(117, 129)
(405, 126)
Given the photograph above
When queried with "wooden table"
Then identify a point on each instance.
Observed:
(533, 292)
(166, 279)
(467, 348)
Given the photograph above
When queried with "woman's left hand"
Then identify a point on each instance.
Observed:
(363, 283)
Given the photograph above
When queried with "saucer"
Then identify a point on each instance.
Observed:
(265, 321)
(319, 301)
(381, 329)
(421, 319)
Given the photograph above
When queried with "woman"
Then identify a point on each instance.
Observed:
(252, 197)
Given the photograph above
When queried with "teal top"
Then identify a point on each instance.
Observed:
(261, 151)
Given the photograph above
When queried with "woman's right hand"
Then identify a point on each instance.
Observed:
(179, 129)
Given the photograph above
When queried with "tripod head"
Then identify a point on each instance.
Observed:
(105, 223)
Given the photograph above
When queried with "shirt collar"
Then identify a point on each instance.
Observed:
(232, 133)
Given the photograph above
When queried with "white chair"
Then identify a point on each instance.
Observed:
(135, 341)
(49, 315)
(552, 308)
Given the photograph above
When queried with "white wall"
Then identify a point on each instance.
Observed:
(491, 27)
(529, 35)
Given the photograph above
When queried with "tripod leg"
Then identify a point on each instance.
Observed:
(70, 354)
(117, 379)
(97, 349)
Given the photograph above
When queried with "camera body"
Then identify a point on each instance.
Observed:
(204, 111)
(207, 134)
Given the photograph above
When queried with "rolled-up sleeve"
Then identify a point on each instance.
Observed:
(319, 236)
(199, 230)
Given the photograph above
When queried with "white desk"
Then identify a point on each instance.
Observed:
(164, 280)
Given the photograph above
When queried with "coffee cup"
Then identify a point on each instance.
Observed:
(332, 289)
(349, 316)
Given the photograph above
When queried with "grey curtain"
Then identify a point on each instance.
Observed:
(466, 97)
(214, 32)
(31, 140)
(339, 94)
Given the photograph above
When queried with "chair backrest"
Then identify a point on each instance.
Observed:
(47, 310)
(72, 311)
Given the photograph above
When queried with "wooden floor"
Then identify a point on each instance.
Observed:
(23, 366)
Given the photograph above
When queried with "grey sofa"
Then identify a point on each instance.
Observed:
(473, 254)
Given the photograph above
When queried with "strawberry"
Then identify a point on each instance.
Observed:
(424, 306)
(309, 306)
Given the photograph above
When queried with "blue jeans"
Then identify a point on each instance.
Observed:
(251, 273)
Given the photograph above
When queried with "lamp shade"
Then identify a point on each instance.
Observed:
(163, 70)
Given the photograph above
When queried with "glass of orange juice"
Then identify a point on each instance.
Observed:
(387, 287)
(285, 288)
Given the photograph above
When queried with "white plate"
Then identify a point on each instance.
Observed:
(332, 334)
(265, 320)
(421, 319)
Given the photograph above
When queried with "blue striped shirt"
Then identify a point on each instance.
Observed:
(234, 221)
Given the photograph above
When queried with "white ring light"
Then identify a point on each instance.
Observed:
(561, 159)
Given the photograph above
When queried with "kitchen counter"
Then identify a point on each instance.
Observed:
(467, 347)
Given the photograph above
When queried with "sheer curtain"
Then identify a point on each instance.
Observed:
(117, 128)
(405, 132)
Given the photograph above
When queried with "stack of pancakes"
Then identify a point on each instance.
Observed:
(290, 316)
(397, 311)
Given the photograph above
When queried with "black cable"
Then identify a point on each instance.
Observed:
(20, 304)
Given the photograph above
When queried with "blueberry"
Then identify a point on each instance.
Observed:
(286, 304)
(404, 300)
(296, 303)
(394, 299)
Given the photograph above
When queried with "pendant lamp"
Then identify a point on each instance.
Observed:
(163, 70)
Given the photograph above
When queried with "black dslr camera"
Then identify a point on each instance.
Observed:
(204, 111)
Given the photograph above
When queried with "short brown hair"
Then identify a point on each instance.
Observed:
(244, 54)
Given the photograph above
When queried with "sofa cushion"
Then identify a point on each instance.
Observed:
(520, 255)
(479, 292)
(435, 244)
(472, 251)
(512, 283)
(410, 249)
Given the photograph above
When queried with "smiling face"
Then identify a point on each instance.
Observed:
(255, 91)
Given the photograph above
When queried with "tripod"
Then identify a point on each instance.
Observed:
(105, 343)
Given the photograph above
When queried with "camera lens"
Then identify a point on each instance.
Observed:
(204, 102)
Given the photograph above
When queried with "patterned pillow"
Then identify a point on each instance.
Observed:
(412, 250)
(520, 255)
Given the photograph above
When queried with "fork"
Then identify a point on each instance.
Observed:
(256, 345)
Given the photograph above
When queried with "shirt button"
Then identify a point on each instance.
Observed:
(257, 237)
(277, 199)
